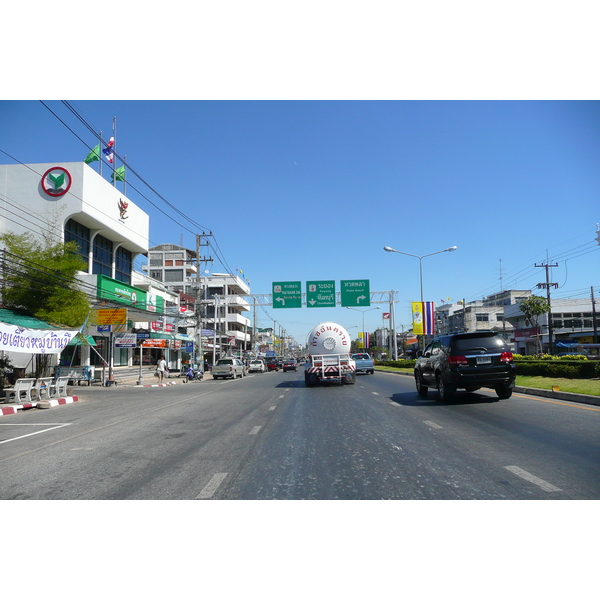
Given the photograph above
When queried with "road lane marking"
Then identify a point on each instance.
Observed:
(375, 393)
(272, 408)
(433, 425)
(34, 433)
(547, 487)
(211, 487)
(281, 396)
(255, 430)
(394, 404)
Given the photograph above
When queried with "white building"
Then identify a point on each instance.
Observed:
(71, 201)
(573, 322)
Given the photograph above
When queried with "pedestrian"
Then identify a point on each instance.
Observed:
(161, 367)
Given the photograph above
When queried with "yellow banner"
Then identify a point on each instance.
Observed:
(111, 316)
(417, 317)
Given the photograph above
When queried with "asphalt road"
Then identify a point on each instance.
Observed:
(267, 436)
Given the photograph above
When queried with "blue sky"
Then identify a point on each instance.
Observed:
(313, 190)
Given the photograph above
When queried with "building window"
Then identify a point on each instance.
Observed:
(123, 265)
(482, 317)
(156, 275)
(102, 256)
(155, 259)
(76, 232)
(172, 275)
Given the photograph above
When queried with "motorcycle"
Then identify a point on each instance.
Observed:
(192, 375)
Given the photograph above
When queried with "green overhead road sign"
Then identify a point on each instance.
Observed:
(320, 294)
(287, 294)
(355, 292)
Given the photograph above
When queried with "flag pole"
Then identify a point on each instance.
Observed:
(100, 154)
(115, 152)
(124, 176)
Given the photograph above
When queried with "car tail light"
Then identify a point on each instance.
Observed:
(506, 357)
(458, 360)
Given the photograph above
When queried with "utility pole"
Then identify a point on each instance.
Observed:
(199, 293)
(547, 287)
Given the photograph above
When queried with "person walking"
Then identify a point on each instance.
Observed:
(161, 368)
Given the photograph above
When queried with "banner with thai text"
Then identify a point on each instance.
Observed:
(35, 341)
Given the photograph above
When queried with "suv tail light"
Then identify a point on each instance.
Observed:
(506, 357)
(458, 360)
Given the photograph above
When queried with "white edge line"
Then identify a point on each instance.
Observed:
(34, 433)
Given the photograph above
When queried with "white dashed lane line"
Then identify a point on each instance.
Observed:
(547, 487)
(433, 425)
(255, 430)
(211, 487)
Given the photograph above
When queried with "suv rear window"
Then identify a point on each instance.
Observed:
(488, 343)
(225, 362)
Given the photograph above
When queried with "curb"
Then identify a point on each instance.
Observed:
(569, 396)
(12, 409)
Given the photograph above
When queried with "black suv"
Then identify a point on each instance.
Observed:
(467, 361)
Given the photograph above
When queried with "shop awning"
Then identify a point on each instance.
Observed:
(20, 319)
(82, 340)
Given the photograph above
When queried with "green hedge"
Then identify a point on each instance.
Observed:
(570, 369)
(550, 366)
(398, 364)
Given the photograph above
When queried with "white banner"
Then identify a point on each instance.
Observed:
(35, 341)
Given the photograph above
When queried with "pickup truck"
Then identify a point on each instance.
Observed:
(364, 363)
(228, 367)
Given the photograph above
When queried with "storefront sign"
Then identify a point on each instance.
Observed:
(56, 181)
(111, 316)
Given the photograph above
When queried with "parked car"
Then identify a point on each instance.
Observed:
(290, 364)
(468, 361)
(228, 367)
(257, 366)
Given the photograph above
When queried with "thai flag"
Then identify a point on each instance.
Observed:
(429, 318)
(108, 151)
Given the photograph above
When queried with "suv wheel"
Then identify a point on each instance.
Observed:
(445, 390)
(504, 392)
(421, 389)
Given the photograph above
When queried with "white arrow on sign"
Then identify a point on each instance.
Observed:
(359, 298)
(280, 300)
(312, 302)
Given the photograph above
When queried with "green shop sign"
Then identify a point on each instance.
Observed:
(117, 291)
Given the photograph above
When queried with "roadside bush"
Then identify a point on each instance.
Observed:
(398, 364)
(570, 369)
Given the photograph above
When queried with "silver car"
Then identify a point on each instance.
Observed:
(257, 366)
(228, 367)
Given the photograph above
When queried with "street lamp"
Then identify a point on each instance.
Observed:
(363, 317)
(451, 249)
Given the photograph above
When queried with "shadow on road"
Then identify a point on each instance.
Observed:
(432, 399)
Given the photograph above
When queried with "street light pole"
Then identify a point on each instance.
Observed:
(451, 249)
(363, 317)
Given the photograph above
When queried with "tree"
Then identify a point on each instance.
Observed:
(532, 308)
(39, 278)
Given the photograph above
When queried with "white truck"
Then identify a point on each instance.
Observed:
(329, 355)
